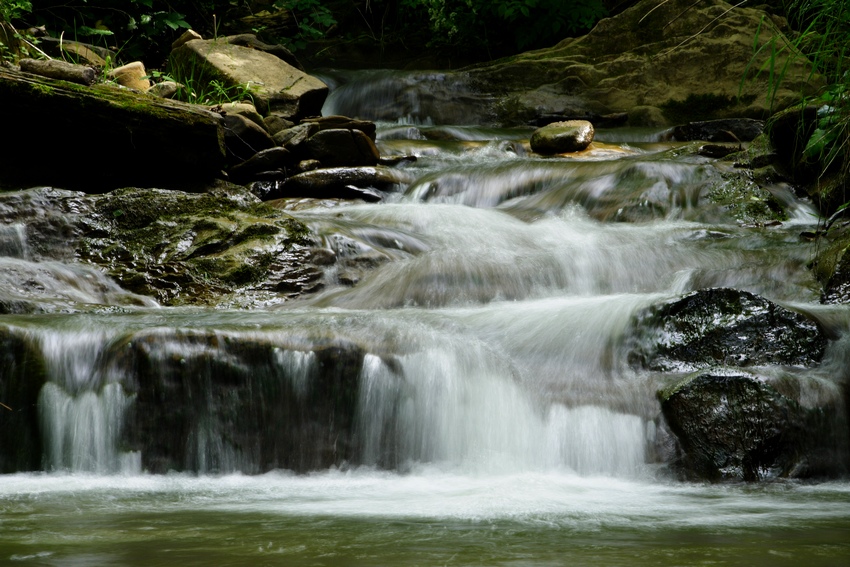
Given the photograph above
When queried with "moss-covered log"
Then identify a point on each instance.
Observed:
(98, 138)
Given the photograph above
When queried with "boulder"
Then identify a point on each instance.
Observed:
(338, 147)
(722, 327)
(562, 137)
(275, 85)
(244, 109)
(296, 136)
(685, 58)
(280, 51)
(737, 427)
(275, 123)
(271, 159)
(116, 137)
(244, 138)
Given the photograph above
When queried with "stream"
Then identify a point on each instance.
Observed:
(480, 409)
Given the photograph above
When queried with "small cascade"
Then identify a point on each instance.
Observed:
(13, 241)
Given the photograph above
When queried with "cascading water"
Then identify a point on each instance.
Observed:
(459, 392)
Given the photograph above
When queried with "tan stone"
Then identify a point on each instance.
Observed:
(132, 75)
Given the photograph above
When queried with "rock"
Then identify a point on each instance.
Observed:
(275, 123)
(684, 58)
(718, 151)
(133, 138)
(132, 75)
(737, 427)
(562, 137)
(726, 130)
(335, 148)
(22, 374)
(336, 182)
(276, 158)
(61, 70)
(293, 138)
(165, 89)
(244, 109)
(278, 50)
(831, 266)
(188, 35)
(275, 85)
(83, 53)
(343, 122)
(244, 138)
(287, 404)
(722, 327)
(647, 116)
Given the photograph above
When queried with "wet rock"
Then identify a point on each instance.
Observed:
(345, 123)
(62, 70)
(726, 130)
(562, 137)
(244, 109)
(274, 123)
(244, 138)
(340, 148)
(294, 138)
(244, 404)
(722, 327)
(276, 86)
(831, 266)
(22, 374)
(337, 182)
(737, 427)
(276, 158)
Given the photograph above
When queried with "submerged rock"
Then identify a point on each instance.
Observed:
(737, 427)
(723, 327)
(727, 130)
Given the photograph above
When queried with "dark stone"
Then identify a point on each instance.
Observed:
(345, 123)
(717, 150)
(737, 427)
(217, 403)
(293, 138)
(722, 327)
(22, 374)
(243, 138)
(336, 148)
(724, 130)
(276, 158)
(335, 183)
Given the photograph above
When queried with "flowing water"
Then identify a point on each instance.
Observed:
(481, 413)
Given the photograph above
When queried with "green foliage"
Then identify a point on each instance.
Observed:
(13, 10)
(824, 38)
(313, 20)
(493, 25)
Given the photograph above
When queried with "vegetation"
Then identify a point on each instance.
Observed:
(823, 37)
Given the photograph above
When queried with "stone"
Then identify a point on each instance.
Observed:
(328, 182)
(188, 35)
(336, 122)
(244, 138)
(55, 69)
(271, 159)
(83, 53)
(724, 130)
(275, 85)
(132, 75)
(736, 427)
(562, 137)
(280, 51)
(165, 89)
(722, 327)
(293, 138)
(647, 116)
(335, 148)
(129, 132)
(684, 58)
(245, 109)
(274, 123)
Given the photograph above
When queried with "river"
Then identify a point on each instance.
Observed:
(491, 416)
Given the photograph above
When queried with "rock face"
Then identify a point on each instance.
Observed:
(116, 137)
(562, 137)
(736, 427)
(723, 327)
(684, 58)
(275, 85)
(245, 404)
